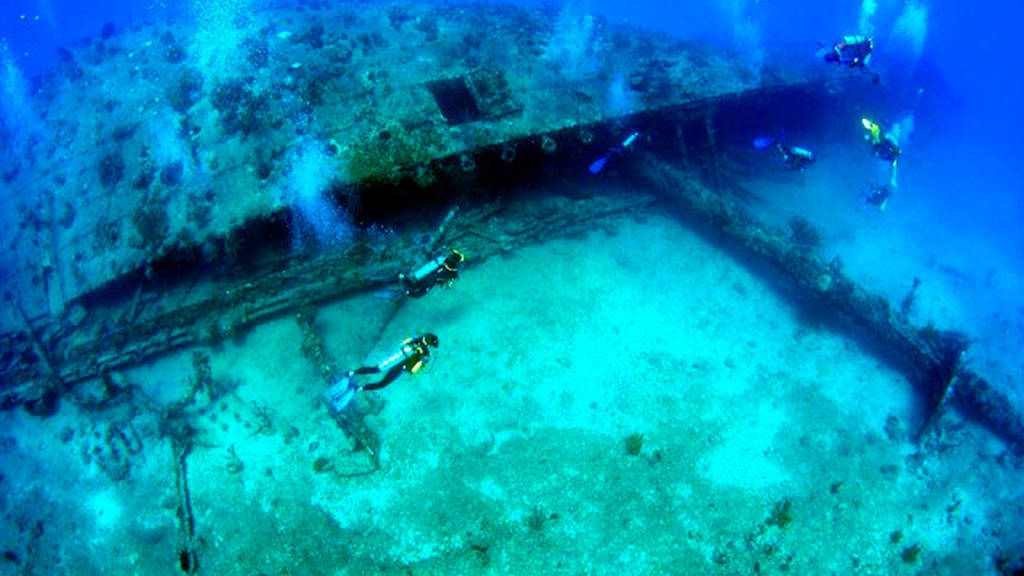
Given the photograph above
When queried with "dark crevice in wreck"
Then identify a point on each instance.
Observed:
(528, 168)
(455, 100)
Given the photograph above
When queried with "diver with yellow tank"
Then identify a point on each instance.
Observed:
(414, 352)
(412, 355)
(440, 271)
(884, 145)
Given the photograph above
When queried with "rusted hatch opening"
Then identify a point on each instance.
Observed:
(455, 100)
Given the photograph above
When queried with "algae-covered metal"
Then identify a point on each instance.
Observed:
(159, 145)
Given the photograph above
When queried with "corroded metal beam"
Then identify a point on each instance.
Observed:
(935, 357)
(120, 336)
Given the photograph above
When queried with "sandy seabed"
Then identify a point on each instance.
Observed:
(772, 441)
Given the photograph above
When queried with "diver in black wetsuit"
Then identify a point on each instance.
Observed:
(411, 357)
(795, 157)
(877, 195)
(853, 51)
(442, 270)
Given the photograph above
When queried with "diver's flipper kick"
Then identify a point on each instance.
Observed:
(794, 157)
(441, 270)
(411, 357)
(598, 165)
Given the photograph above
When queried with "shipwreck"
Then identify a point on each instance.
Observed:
(164, 216)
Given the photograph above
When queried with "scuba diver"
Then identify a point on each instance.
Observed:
(795, 157)
(598, 165)
(411, 357)
(877, 195)
(884, 145)
(442, 270)
(853, 51)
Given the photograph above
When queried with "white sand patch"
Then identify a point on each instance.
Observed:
(866, 389)
(744, 457)
(354, 508)
(412, 545)
(595, 341)
(165, 379)
(490, 488)
(267, 360)
(105, 508)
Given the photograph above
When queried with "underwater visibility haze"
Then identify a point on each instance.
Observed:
(526, 287)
